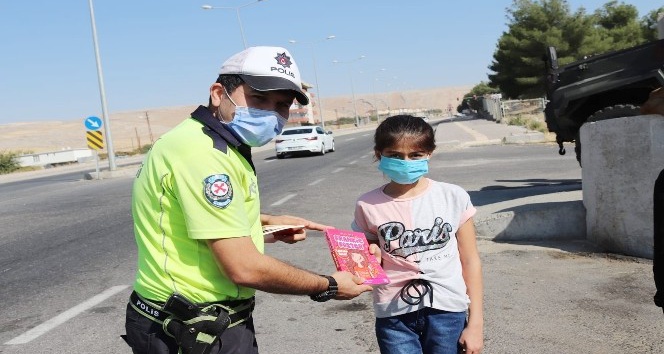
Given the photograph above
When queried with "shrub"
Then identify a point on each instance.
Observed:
(8, 162)
(531, 123)
(517, 120)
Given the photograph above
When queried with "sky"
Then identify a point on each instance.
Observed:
(166, 53)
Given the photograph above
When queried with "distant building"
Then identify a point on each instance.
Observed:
(49, 159)
(300, 114)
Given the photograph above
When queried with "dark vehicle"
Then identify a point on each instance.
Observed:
(605, 86)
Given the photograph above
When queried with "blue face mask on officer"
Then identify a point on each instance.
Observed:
(255, 127)
(403, 171)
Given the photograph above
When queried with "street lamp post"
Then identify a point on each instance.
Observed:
(102, 93)
(313, 56)
(237, 12)
(352, 85)
(373, 106)
(373, 90)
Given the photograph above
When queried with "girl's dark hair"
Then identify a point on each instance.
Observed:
(395, 128)
(230, 82)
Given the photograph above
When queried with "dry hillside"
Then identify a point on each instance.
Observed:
(130, 128)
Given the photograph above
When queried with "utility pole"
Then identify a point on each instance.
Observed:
(138, 139)
(147, 118)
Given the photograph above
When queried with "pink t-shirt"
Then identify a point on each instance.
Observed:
(417, 237)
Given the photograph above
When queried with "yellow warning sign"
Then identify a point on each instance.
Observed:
(95, 139)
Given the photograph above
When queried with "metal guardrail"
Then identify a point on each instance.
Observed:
(498, 109)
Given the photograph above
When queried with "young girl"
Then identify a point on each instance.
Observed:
(426, 233)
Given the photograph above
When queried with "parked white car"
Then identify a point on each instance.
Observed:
(304, 139)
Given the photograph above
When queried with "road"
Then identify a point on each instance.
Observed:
(67, 257)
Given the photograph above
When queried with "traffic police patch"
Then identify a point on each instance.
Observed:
(218, 190)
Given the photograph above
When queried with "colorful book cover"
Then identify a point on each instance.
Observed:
(350, 251)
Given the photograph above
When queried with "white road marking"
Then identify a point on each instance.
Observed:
(367, 135)
(349, 139)
(283, 200)
(316, 181)
(338, 170)
(65, 316)
(352, 162)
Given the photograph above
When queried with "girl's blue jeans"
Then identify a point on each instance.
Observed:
(427, 331)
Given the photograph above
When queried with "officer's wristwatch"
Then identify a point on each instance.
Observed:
(328, 294)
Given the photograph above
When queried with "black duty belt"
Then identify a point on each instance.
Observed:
(238, 310)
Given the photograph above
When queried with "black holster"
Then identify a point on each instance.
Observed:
(199, 334)
(196, 330)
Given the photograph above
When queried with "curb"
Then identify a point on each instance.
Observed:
(129, 171)
(564, 220)
(530, 137)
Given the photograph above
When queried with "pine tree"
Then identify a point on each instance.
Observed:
(534, 25)
(618, 25)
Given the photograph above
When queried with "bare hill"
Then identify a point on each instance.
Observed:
(128, 129)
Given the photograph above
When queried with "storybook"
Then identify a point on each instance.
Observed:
(350, 252)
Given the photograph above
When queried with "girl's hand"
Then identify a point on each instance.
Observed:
(374, 250)
(472, 340)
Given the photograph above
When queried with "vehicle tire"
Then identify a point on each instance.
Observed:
(332, 149)
(617, 111)
(281, 156)
(322, 149)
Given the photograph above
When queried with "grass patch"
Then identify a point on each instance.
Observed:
(531, 122)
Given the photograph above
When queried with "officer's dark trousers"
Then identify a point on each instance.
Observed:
(145, 336)
(658, 242)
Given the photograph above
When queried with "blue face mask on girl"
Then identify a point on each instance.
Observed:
(255, 127)
(403, 171)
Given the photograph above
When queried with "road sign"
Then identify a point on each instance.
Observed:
(93, 123)
(95, 140)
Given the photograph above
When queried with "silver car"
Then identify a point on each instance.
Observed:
(309, 139)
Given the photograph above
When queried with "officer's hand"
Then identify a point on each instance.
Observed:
(291, 235)
(294, 220)
(295, 234)
(349, 285)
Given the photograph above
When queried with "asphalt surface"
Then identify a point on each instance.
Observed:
(546, 291)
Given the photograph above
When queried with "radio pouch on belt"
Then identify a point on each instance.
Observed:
(195, 330)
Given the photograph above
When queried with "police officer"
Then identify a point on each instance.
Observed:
(197, 220)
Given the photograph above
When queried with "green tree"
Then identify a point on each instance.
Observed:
(618, 25)
(533, 26)
(471, 100)
(649, 25)
(481, 89)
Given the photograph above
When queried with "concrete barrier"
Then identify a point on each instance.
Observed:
(547, 221)
(622, 158)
